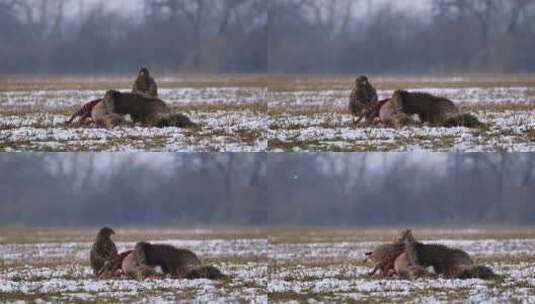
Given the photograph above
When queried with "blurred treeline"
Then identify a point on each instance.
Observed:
(393, 189)
(358, 189)
(373, 36)
(278, 36)
(132, 189)
(71, 36)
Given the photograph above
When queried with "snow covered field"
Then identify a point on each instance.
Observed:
(304, 118)
(49, 270)
(253, 113)
(279, 265)
(229, 118)
(329, 268)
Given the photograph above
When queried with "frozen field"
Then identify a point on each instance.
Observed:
(327, 266)
(279, 265)
(50, 266)
(311, 115)
(230, 117)
(274, 113)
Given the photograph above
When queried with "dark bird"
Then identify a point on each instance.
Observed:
(103, 250)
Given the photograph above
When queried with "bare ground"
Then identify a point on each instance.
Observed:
(280, 265)
(310, 114)
(253, 113)
(51, 265)
(230, 113)
(326, 265)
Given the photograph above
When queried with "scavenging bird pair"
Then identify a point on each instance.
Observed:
(145, 259)
(402, 108)
(142, 104)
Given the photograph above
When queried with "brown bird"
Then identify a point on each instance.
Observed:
(363, 96)
(103, 250)
(145, 84)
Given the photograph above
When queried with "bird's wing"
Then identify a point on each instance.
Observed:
(153, 88)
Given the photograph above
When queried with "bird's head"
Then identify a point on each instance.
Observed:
(105, 232)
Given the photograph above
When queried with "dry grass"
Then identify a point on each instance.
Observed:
(306, 258)
(19, 235)
(276, 234)
(352, 234)
(104, 82)
(316, 120)
(309, 113)
(273, 81)
(326, 264)
(229, 110)
(281, 83)
(51, 264)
